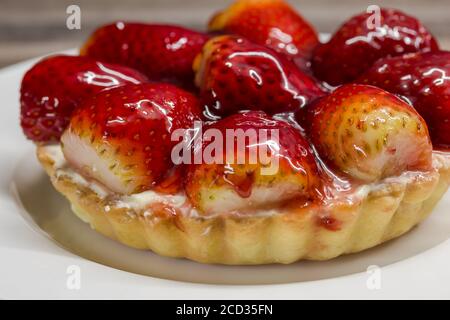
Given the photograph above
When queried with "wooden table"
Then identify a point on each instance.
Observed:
(29, 28)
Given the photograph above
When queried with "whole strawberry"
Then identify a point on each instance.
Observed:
(272, 23)
(122, 136)
(358, 43)
(235, 74)
(424, 78)
(53, 88)
(162, 52)
(258, 162)
(369, 133)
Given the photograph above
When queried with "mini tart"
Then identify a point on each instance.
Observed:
(168, 225)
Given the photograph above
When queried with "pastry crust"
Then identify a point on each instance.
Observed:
(374, 215)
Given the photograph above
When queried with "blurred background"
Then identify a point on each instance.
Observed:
(33, 27)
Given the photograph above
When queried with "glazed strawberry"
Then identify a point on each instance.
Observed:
(272, 23)
(259, 162)
(235, 74)
(357, 44)
(53, 88)
(424, 78)
(122, 136)
(162, 52)
(369, 133)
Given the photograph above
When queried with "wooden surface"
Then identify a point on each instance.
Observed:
(30, 28)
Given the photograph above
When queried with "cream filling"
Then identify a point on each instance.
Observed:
(142, 201)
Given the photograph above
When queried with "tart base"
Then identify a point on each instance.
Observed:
(378, 214)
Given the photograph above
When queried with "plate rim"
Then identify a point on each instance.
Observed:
(431, 263)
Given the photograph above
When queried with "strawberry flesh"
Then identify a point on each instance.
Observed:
(369, 133)
(233, 181)
(122, 136)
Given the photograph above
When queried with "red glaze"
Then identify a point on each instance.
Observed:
(162, 52)
(235, 74)
(356, 45)
(172, 180)
(52, 89)
(369, 133)
(272, 23)
(296, 163)
(129, 128)
(329, 223)
(424, 78)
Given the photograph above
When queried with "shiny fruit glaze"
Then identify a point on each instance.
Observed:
(272, 23)
(235, 74)
(369, 133)
(358, 43)
(424, 79)
(122, 137)
(162, 52)
(53, 88)
(211, 187)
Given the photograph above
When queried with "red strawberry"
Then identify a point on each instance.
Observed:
(369, 133)
(122, 136)
(357, 44)
(261, 161)
(53, 88)
(162, 52)
(272, 23)
(235, 74)
(424, 78)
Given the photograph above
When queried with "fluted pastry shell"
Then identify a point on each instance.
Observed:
(375, 214)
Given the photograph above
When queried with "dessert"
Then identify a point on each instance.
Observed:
(253, 161)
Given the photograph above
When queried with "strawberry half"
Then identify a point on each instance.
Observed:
(261, 162)
(424, 78)
(369, 133)
(235, 74)
(53, 88)
(272, 23)
(122, 136)
(357, 44)
(162, 52)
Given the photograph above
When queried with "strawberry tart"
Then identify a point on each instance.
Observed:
(251, 143)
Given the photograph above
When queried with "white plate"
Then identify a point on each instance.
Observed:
(37, 262)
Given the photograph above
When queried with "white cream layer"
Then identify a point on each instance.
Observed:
(143, 200)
